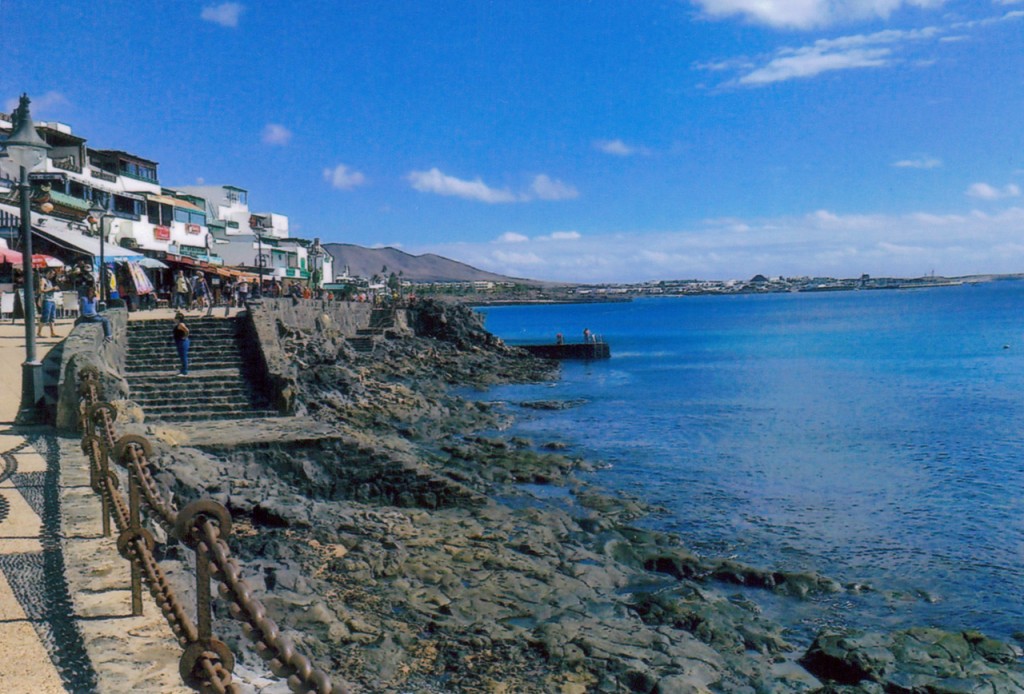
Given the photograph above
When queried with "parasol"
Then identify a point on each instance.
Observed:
(9, 256)
(40, 261)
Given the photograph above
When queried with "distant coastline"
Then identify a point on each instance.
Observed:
(601, 293)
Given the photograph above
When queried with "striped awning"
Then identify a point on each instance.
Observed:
(69, 201)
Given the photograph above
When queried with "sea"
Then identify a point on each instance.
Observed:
(874, 437)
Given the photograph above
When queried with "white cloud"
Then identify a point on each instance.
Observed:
(343, 178)
(226, 14)
(811, 62)
(882, 49)
(619, 148)
(434, 181)
(828, 55)
(807, 14)
(919, 163)
(984, 191)
(547, 188)
(276, 134)
(512, 237)
(564, 236)
(543, 187)
(817, 243)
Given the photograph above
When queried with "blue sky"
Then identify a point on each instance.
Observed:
(580, 141)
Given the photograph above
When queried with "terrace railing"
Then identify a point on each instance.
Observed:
(204, 525)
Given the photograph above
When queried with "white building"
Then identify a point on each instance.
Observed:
(141, 216)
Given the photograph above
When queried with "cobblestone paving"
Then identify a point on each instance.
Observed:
(37, 579)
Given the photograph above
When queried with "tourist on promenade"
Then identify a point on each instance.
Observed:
(243, 292)
(201, 293)
(181, 341)
(181, 291)
(89, 314)
(47, 303)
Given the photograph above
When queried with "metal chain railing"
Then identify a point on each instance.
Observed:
(207, 663)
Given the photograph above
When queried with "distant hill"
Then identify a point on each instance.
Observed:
(367, 262)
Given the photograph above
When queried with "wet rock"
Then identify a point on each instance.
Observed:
(917, 660)
(552, 404)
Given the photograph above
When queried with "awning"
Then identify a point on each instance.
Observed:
(183, 204)
(87, 245)
(69, 201)
(238, 274)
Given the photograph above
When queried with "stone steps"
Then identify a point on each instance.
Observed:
(152, 363)
(216, 387)
(363, 344)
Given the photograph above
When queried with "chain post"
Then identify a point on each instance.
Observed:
(203, 597)
(104, 473)
(135, 527)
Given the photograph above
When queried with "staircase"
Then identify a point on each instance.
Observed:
(216, 387)
(381, 320)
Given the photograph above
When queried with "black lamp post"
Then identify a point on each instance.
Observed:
(26, 149)
(99, 213)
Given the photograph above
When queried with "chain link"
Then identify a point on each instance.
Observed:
(207, 663)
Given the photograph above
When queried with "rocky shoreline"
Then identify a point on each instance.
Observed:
(405, 551)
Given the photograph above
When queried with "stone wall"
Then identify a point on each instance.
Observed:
(271, 320)
(346, 317)
(84, 347)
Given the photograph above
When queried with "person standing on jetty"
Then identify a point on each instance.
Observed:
(89, 314)
(47, 304)
(181, 341)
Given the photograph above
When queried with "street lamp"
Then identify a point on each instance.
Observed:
(316, 255)
(259, 243)
(98, 212)
(26, 149)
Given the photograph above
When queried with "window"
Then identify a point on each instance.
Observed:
(181, 215)
(126, 207)
(159, 214)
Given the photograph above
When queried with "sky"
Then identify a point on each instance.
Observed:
(569, 140)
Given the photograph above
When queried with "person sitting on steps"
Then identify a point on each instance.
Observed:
(88, 313)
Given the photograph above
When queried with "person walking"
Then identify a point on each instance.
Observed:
(88, 313)
(181, 341)
(202, 293)
(181, 291)
(47, 304)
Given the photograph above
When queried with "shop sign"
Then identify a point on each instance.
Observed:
(192, 228)
(47, 177)
(162, 233)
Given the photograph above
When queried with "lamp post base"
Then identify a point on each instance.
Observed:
(31, 392)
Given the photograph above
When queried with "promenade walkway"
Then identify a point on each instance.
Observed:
(65, 603)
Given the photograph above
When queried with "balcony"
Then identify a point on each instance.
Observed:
(137, 177)
(67, 163)
(103, 175)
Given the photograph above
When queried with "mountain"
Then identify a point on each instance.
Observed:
(367, 262)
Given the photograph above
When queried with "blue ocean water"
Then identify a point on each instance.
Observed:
(871, 436)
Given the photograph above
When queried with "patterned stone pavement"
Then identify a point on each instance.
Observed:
(65, 603)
